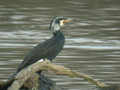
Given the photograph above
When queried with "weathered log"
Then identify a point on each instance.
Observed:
(22, 76)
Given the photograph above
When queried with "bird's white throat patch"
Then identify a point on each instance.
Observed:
(61, 22)
(57, 27)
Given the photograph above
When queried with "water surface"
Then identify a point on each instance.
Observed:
(92, 38)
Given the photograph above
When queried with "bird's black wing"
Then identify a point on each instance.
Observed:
(45, 50)
(37, 53)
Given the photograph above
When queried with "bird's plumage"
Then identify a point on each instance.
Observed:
(48, 49)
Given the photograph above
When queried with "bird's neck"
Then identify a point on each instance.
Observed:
(57, 33)
(54, 27)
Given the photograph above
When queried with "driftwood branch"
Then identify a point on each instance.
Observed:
(25, 74)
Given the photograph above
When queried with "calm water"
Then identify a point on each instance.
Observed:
(92, 38)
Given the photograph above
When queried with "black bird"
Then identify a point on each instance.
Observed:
(48, 49)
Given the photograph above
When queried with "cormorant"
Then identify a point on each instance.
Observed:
(50, 48)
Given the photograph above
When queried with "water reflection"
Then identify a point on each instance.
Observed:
(92, 39)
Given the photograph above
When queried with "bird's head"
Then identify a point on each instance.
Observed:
(58, 22)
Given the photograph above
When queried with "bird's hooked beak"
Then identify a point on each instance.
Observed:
(66, 20)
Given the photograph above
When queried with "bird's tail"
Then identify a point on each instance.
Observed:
(8, 82)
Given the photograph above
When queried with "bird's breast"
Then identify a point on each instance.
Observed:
(55, 47)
